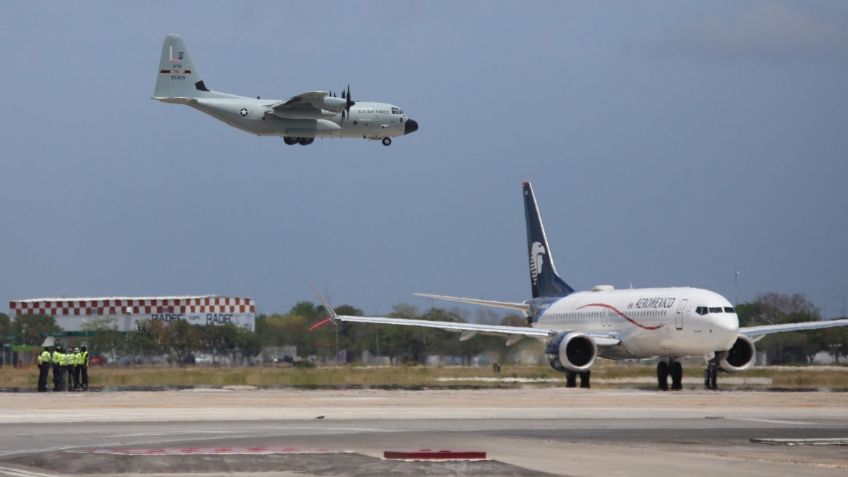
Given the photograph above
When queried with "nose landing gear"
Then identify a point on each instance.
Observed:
(711, 374)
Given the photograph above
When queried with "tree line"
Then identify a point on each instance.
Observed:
(180, 341)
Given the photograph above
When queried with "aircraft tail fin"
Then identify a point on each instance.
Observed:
(178, 76)
(543, 276)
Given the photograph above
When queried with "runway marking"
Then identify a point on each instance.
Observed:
(22, 473)
(152, 434)
(771, 421)
(257, 450)
(815, 441)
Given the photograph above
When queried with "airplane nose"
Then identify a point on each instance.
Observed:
(410, 127)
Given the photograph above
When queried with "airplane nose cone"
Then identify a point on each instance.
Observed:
(410, 127)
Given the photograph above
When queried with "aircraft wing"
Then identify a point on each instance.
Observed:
(523, 307)
(760, 331)
(311, 102)
(473, 328)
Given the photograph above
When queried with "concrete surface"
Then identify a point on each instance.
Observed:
(526, 431)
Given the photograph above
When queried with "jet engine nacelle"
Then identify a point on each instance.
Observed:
(571, 352)
(334, 104)
(740, 356)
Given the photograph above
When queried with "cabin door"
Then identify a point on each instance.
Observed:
(678, 317)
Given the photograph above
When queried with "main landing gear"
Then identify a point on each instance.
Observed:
(571, 379)
(671, 368)
(303, 141)
(387, 141)
(711, 374)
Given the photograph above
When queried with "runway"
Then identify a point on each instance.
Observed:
(528, 431)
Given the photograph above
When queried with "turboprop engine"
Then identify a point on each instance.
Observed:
(571, 352)
(334, 104)
(740, 356)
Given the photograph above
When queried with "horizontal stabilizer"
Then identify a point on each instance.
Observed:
(523, 307)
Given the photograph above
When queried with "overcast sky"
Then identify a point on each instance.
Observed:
(669, 144)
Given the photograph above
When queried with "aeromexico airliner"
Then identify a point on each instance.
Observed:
(669, 323)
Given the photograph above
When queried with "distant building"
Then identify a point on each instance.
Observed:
(125, 312)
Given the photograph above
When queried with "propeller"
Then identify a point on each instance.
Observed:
(348, 104)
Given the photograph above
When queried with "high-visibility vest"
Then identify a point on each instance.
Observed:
(69, 359)
(44, 357)
(85, 358)
(78, 359)
(57, 358)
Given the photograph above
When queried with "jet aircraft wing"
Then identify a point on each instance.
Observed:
(474, 328)
(310, 102)
(757, 332)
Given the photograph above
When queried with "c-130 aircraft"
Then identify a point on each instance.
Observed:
(299, 120)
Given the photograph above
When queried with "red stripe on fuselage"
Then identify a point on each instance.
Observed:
(619, 313)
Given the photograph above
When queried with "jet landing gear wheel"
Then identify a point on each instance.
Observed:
(711, 375)
(305, 141)
(675, 369)
(662, 376)
(570, 379)
(387, 141)
(584, 379)
(290, 140)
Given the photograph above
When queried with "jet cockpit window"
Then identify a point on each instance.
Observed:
(715, 309)
(729, 309)
(701, 310)
(397, 111)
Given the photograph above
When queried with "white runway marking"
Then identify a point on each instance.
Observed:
(772, 421)
(152, 434)
(22, 473)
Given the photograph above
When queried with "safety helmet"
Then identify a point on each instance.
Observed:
(76, 350)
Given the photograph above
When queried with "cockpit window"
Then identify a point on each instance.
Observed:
(701, 310)
(397, 111)
(729, 309)
(715, 309)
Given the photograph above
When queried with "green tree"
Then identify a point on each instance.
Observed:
(182, 339)
(248, 343)
(32, 329)
(148, 338)
(776, 308)
(5, 327)
(103, 338)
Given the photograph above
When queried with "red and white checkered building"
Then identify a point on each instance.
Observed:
(126, 312)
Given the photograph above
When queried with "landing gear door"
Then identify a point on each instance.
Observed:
(678, 317)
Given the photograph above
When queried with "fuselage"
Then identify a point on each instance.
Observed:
(667, 322)
(369, 120)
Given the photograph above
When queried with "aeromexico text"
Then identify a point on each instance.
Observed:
(211, 318)
(652, 302)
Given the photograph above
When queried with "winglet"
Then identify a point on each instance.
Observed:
(331, 318)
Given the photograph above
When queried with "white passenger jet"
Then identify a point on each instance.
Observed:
(298, 120)
(668, 323)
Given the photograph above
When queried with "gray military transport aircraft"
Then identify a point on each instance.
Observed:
(299, 120)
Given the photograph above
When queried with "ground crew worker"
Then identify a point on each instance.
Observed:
(77, 368)
(69, 369)
(43, 369)
(84, 368)
(56, 361)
